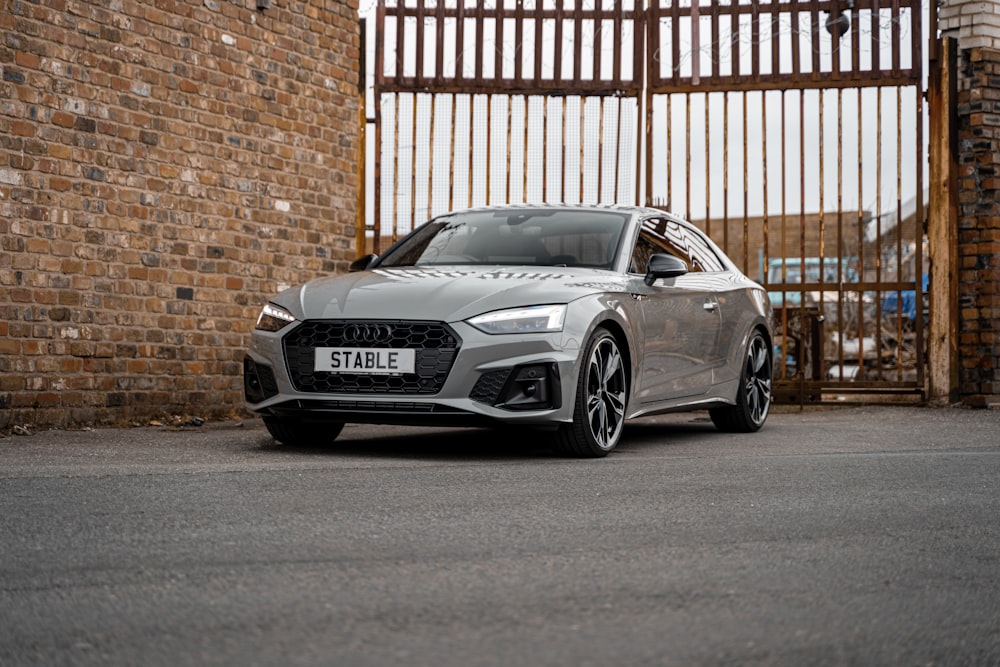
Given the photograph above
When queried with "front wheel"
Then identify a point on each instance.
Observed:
(601, 397)
(753, 399)
(302, 434)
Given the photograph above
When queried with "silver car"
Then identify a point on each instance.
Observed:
(567, 319)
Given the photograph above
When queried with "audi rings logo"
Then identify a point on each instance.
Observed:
(367, 333)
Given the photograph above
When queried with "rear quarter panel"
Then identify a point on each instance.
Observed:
(745, 307)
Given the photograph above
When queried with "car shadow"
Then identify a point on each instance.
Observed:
(501, 443)
(671, 431)
(429, 444)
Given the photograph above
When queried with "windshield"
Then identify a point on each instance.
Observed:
(516, 237)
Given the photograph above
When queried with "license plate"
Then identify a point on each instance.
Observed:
(375, 361)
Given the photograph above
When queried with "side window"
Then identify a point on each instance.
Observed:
(660, 236)
(673, 238)
(644, 249)
(702, 257)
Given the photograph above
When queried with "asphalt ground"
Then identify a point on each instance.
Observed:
(855, 536)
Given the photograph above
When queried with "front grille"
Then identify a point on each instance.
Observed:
(435, 343)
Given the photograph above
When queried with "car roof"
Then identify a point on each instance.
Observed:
(639, 211)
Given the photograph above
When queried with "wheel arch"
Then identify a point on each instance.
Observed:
(617, 314)
(598, 416)
(748, 411)
(758, 324)
(766, 332)
(624, 344)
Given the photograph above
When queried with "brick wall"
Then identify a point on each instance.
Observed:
(164, 167)
(974, 23)
(979, 225)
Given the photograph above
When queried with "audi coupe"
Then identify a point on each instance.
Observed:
(566, 320)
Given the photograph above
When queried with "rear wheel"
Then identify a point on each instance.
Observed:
(302, 434)
(601, 397)
(753, 399)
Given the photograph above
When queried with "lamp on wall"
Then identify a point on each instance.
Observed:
(263, 4)
(840, 24)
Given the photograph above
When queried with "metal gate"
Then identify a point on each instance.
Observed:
(792, 132)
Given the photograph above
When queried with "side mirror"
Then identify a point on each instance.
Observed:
(664, 266)
(361, 263)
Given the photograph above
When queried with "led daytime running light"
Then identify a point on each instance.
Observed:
(273, 318)
(531, 319)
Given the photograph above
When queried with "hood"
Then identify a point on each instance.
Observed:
(448, 294)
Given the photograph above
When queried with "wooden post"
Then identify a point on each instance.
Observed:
(942, 225)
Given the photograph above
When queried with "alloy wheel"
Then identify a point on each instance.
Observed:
(606, 390)
(757, 378)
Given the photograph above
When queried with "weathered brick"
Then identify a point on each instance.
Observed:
(63, 119)
(60, 184)
(29, 60)
(22, 128)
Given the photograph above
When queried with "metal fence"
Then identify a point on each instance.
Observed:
(792, 132)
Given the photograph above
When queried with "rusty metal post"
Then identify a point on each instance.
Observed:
(942, 225)
(816, 343)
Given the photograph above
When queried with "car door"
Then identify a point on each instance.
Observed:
(681, 318)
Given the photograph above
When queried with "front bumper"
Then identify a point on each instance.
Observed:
(519, 379)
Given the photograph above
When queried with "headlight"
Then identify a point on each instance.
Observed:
(274, 318)
(532, 319)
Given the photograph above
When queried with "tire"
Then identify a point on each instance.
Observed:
(302, 434)
(753, 399)
(601, 397)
